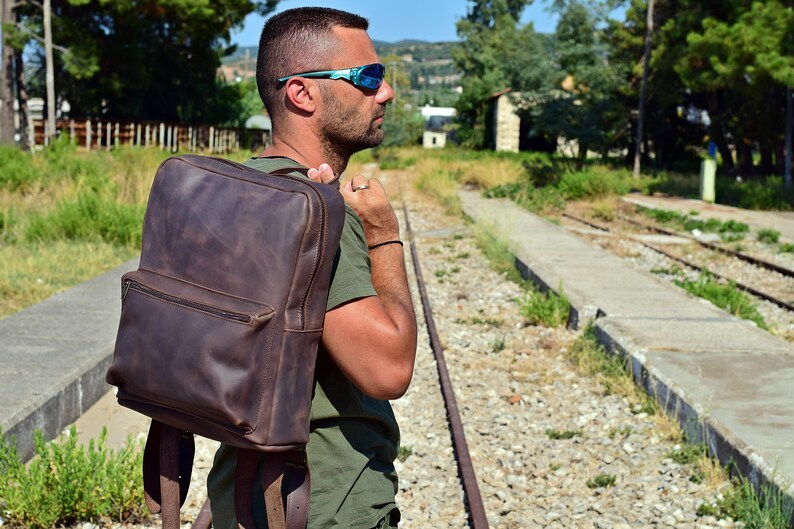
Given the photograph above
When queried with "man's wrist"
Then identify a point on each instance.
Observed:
(384, 243)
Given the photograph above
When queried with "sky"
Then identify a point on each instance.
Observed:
(395, 20)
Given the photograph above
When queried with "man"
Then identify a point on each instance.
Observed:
(319, 77)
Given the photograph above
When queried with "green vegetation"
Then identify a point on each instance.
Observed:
(67, 483)
(562, 435)
(67, 215)
(726, 297)
(767, 510)
(729, 230)
(601, 480)
(580, 83)
(768, 236)
(548, 309)
(128, 61)
(612, 371)
(404, 452)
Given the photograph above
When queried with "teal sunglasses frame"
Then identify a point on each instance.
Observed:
(360, 75)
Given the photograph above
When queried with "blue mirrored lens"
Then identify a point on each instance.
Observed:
(371, 77)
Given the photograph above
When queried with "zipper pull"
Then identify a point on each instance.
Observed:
(125, 289)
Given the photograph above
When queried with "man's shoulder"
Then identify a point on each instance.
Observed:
(273, 163)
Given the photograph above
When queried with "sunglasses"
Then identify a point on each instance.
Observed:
(369, 77)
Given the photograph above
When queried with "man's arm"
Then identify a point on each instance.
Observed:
(373, 339)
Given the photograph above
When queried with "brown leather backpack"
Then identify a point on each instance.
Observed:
(220, 326)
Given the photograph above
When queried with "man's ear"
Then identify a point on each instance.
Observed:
(301, 94)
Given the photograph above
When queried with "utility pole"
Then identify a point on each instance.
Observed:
(7, 81)
(787, 172)
(645, 67)
(49, 130)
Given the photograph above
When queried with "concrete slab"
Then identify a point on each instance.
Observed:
(727, 381)
(54, 355)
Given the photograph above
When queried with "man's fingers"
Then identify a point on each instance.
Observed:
(322, 174)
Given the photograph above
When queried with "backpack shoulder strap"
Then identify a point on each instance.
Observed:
(285, 474)
(167, 467)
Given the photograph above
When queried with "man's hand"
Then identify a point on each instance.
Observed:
(368, 199)
(373, 339)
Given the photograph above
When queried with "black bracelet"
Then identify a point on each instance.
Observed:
(384, 243)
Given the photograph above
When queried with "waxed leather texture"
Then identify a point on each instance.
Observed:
(220, 324)
(223, 243)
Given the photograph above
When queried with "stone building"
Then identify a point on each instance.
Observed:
(504, 125)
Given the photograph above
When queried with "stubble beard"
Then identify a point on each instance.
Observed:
(345, 131)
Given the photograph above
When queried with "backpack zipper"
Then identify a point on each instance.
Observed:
(201, 307)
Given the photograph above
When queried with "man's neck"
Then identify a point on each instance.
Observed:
(310, 156)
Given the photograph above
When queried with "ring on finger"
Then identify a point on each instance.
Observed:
(362, 186)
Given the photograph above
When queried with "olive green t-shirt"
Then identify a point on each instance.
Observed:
(353, 438)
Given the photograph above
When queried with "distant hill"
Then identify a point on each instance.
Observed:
(420, 50)
(429, 66)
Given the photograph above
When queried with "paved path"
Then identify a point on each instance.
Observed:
(54, 355)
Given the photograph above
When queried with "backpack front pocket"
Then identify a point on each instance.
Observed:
(192, 349)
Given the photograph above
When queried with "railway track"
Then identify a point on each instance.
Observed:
(754, 261)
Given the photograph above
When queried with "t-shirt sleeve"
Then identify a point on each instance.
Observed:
(352, 277)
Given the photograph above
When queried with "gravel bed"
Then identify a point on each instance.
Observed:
(513, 386)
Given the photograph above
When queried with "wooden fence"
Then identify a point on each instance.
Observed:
(96, 134)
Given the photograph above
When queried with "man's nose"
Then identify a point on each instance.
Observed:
(385, 93)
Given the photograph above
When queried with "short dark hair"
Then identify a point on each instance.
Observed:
(294, 41)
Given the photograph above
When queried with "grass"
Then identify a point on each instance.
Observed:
(765, 510)
(729, 230)
(548, 309)
(33, 271)
(768, 236)
(44, 494)
(562, 435)
(68, 215)
(601, 480)
(726, 297)
(611, 371)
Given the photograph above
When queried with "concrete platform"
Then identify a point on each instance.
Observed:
(728, 382)
(54, 355)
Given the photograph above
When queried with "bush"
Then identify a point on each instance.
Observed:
(592, 184)
(549, 309)
(768, 236)
(66, 483)
(768, 194)
(17, 169)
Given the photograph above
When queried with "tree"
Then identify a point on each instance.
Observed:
(138, 59)
(402, 125)
(738, 62)
(487, 33)
(581, 104)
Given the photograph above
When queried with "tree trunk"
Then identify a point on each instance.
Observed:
(7, 82)
(49, 131)
(718, 134)
(767, 159)
(22, 99)
(744, 159)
